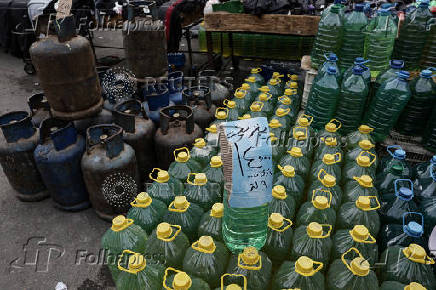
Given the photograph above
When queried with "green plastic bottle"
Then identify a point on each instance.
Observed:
(233, 110)
(289, 99)
(285, 117)
(221, 116)
(327, 183)
(363, 165)
(178, 280)
(331, 59)
(212, 136)
(379, 41)
(360, 186)
(329, 35)
(305, 121)
(279, 77)
(211, 222)
(202, 192)
(292, 182)
(255, 72)
(277, 147)
(428, 58)
(406, 265)
(361, 212)
(384, 181)
(282, 202)
(396, 157)
(183, 164)
(323, 98)
(429, 136)
(256, 110)
(206, 259)
(413, 35)
(363, 145)
(300, 139)
(278, 129)
(359, 238)
(139, 273)
(330, 146)
(146, 212)
(275, 89)
(123, 235)
(394, 285)
(164, 187)
(330, 131)
(330, 164)
(362, 133)
(392, 211)
(185, 214)
(415, 115)
(313, 241)
(353, 43)
(232, 282)
(254, 265)
(428, 208)
(254, 87)
(268, 104)
(395, 66)
(317, 210)
(360, 62)
(241, 100)
(279, 238)
(201, 152)
(214, 172)
(355, 274)
(391, 98)
(411, 230)
(301, 274)
(167, 243)
(352, 99)
(296, 159)
(252, 91)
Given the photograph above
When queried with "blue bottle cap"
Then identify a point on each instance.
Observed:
(358, 70)
(405, 193)
(331, 70)
(433, 159)
(359, 7)
(403, 74)
(426, 74)
(332, 57)
(359, 60)
(413, 229)
(396, 64)
(399, 154)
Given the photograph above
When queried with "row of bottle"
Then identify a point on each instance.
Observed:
(352, 35)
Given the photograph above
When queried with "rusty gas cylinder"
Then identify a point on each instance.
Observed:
(66, 70)
(109, 170)
(177, 129)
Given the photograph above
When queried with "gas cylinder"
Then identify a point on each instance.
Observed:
(199, 99)
(58, 157)
(156, 97)
(177, 129)
(104, 117)
(39, 108)
(218, 90)
(109, 170)
(65, 65)
(16, 156)
(145, 47)
(138, 132)
(175, 86)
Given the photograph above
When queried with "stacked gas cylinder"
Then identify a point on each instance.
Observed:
(334, 218)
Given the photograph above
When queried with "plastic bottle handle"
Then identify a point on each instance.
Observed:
(172, 236)
(131, 271)
(393, 147)
(181, 150)
(127, 224)
(284, 227)
(329, 195)
(225, 102)
(320, 172)
(268, 96)
(345, 261)
(426, 260)
(257, 266)
(371, 162)
(337, 123)
(135, 203)
(285, 112)
(241, 90)
(377, 202)
(369, 240)
(283, 97)
(150, 175)
(233, 275)
(308, 117)
(396, 181)
(256, 70)
(304, 129)
(221, 109)
(406, 214)
(173, 209)
(197, 248)
(327, 234)
(258, 103)
(337, 158)
(314, 270)
(167, 270)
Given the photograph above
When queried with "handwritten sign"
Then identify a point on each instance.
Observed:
(247, 157)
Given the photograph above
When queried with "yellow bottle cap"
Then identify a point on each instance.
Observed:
(279, 192)
(221, 115)
(321, 202)
(365, 144)
(143, 199)
(255, 107)
(304, 265)
(250, 256)
(206, 243)
(414, 286)
(180, 202)
(163, 230)
(329, 180)
(273, 81)
(231, 104)
(363, 202)
(163, 176)
(276, 220)
(360, 266)
(217, 210)
(239, 94)
(314, 229)
(294, 77)
(330, 127)
(136, 261)
(263, 97)
(296, 152)
(288, 171)
(182, 281)
(299, 135)
(255, 70)
(274, 123)
(245, 86)
(303, 122)
(360, 232)
(233, 287)
(363, 161)
(289, 92)
(182, 157)
(200, 179)
(415, 252)
(285, 100)
(280, 112)
(245, 117)
(364, 129)
(365, 181)
(200, 143)
(293, 85)
(264, 89)
(212, 129)
(216, 161)
(276, 75)
(250, 79)
(330, 141)
(328, 159)
(118, 222)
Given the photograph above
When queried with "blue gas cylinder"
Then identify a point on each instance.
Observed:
(156, 97)
(175, 87)
(58, 156)
(16, 156)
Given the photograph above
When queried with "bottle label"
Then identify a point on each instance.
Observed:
(247, 162)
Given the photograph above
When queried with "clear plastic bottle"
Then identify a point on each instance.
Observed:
(429, 53)
(353, 42)
(359, 61)
(379, 41)
(395, 66)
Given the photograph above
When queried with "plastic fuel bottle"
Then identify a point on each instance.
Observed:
(359, 61)
(183, 164)
(202, 152)
(296, 159)
(360, 186)
(317, 210)
(146, 212)
(178, 280)
(395, 66)
(331, 59)
(212, 136)
(413, 35)
(278, 241)
(362, 133)
(292, 182)
(429, 137)
(233, 110)
(329, 35)
(201, 192)
(353, 42)
(327, 183)
(214, 172)
(255, 72)
(282, 203)
(211, 222)
(330, 164)
(330, 146)
(240, 100)
(379, 41)
(363, 145)
(164, 187)
(237, 282)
